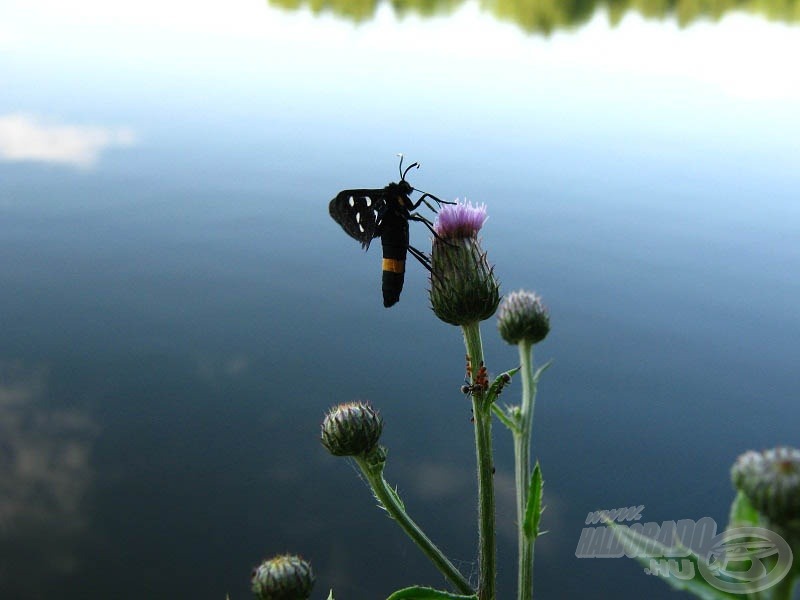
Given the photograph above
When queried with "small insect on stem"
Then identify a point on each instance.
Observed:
(481, 382)
(473, 389)
(482, 378)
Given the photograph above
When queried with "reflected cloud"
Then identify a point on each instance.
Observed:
(25, 137)
(44, 477)
(218, 367)
(435, 481)
(445, 483)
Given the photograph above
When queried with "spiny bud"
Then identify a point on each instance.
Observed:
(351, 429)
(285, 577)
(523, 318)
(463, 288)
(771, 482)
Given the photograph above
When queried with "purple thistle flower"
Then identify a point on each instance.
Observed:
(463, 288)
(461, 220)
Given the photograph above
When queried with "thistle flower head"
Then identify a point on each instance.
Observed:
(460, 220)
(523, 318)
(463, 288)
(771, 482)
(285, 577)
(351, 429)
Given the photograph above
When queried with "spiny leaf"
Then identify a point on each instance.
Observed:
(533, 508)
(504, 417)
(644, 547)
(499, 383)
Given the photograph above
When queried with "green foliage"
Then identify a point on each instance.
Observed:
(547, 16)
(533, 510)
(743, 514)
(643, 547)
(425, 593)
(499, 383)
(392, 491)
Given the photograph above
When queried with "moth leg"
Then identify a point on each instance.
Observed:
(429, 225)
(426, 195)
(423, 258)
(420, 218)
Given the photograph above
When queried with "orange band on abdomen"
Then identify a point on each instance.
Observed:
(394, 266)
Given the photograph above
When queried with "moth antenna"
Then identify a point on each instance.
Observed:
(400, 154)
(408, 168)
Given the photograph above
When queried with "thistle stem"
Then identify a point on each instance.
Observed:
(522, 463)
(391, 502)
(487, 555)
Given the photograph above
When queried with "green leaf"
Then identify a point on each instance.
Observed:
(425, 593)
(541, 370)
(506, 418)
(393, 493)
(643, 547)
(499, 383)
(330, 595)
(743, 514)
(533, 509)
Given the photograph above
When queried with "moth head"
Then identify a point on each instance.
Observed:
(404, 188)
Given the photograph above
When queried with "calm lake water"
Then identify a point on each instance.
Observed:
(178, 310)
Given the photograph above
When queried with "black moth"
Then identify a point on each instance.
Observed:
(365, 214)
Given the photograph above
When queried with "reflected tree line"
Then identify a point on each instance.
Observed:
(546, 16)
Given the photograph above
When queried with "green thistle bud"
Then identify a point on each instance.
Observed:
(523, 318)
(351, 429)
(463, 288)
(284, 577)
(771, 482)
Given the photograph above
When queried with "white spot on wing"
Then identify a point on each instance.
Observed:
(351, 202)
(358, 217)
(369, 201)
(361, 228)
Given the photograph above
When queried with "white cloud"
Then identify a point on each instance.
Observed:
(26, 137)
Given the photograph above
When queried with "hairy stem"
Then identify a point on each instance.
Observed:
(487, 555)
(390, 501)
(522, 462)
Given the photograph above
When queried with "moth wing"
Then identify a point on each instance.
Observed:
(359, 213)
